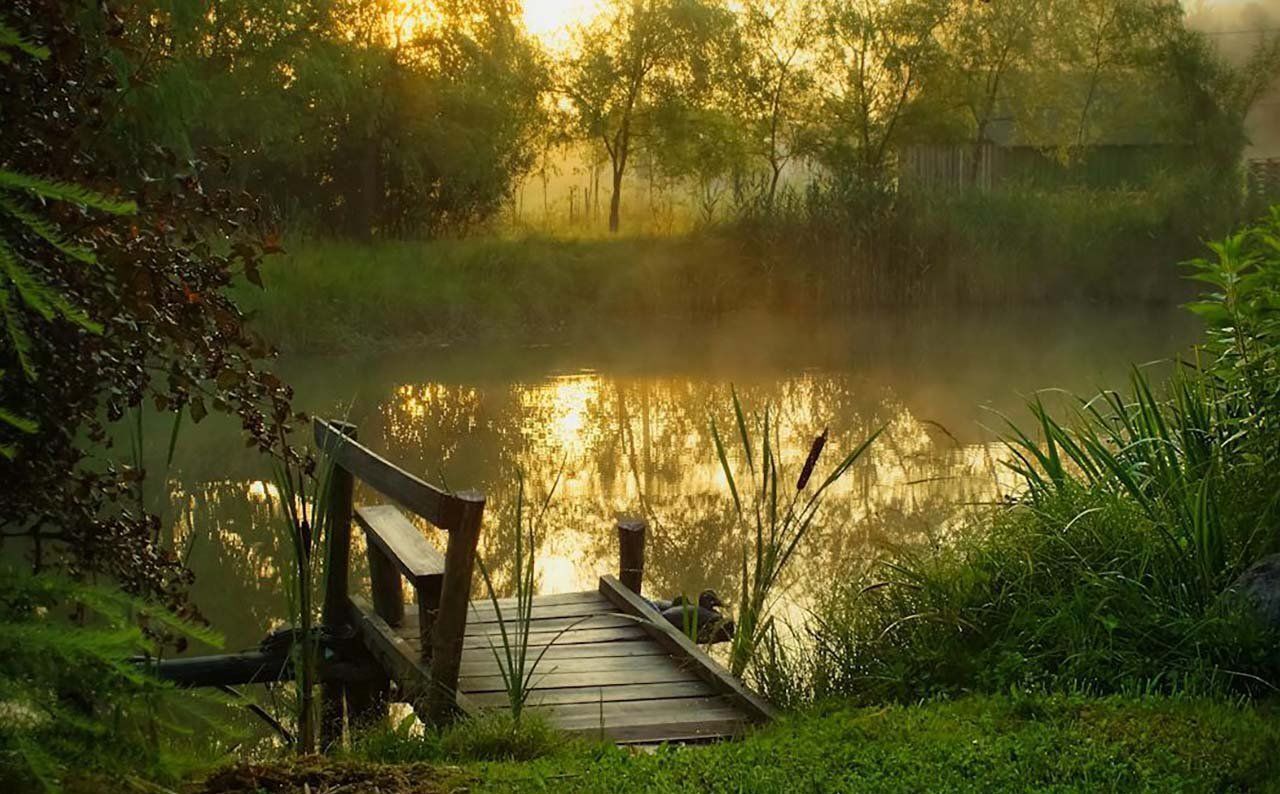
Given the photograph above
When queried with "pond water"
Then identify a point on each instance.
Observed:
(624, 423)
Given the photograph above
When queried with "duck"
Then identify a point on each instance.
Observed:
(711, 625)
(706, 599)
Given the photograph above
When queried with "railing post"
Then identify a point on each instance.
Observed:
(631, 534)
(451, 619)
(428, 598)
(386, 586)
(337, 574)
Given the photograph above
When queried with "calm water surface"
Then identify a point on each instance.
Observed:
(625, 424)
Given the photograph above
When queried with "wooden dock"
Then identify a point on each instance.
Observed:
(614, 668)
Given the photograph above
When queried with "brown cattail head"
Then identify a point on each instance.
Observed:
(810, 462)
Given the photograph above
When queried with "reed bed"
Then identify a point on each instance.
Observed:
(1114, 567)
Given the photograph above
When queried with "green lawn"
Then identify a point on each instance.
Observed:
(973, 744)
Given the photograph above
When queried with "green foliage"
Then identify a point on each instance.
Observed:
(778, 522)
(302, 508)
(517, 669)
(75, 707)
(1000, 744)
(33, 293)
(1113, 571)
(106, 303)
(492, 736)
(370, 117)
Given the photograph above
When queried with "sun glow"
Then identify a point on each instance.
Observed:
(550, 20)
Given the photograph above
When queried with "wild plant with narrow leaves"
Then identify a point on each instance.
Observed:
(517, 669)
(303, 507)
(777, 521)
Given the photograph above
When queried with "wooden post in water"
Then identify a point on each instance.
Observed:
(337, 572)
(631, 532)
(450, 624)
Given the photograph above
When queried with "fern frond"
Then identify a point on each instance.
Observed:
(20, 423)
(47, 231)
(66, 191)
(13, 39)
(16, 333)
(41, 298)
(37, 296)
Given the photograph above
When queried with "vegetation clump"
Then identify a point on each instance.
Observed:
(1113, 569)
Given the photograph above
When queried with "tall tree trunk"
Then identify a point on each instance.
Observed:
(370, 189)
(615, 200)
(776, 174)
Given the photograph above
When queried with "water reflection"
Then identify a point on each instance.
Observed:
(625, 429)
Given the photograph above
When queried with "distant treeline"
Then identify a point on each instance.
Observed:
(395, 118)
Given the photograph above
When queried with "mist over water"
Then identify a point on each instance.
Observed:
(625, 423)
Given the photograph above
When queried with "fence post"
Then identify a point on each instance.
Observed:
(450, 626)
(337, 573)
(631, 534)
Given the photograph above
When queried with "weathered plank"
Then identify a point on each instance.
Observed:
(677, 643)
(448, 629)
(631, 534)
(651, 675)
(598, 664)
(666, 733)
(386, 584)
(551, 625)
(626, 692)
(483, 611)
(400, 540)
(554, 638)
(547, 600)
(337, 566)
(645, 647)
(646, 712)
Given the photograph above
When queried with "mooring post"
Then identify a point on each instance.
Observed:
(631, 532)
(337, 572)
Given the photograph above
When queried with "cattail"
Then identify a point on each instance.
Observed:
(811, 461)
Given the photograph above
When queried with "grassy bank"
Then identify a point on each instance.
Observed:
(1007, 248)
(974, 744)
(326, 294)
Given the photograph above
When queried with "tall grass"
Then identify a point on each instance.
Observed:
(825, 249)
(1114, 568)
(302, 505)
(517, 667)
(777, 521)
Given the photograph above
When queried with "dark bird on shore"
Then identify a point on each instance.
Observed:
(703, 618)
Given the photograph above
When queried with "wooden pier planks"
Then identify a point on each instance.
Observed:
(607, 671)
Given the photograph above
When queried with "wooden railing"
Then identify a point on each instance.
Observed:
(397, 550)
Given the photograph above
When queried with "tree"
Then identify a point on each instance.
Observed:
(369, 117)
(621, 58)
(110, 303)
(876, 56)
(774, 81)
(986, 43)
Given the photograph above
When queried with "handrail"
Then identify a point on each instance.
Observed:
(443, 611)
(442, 508)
